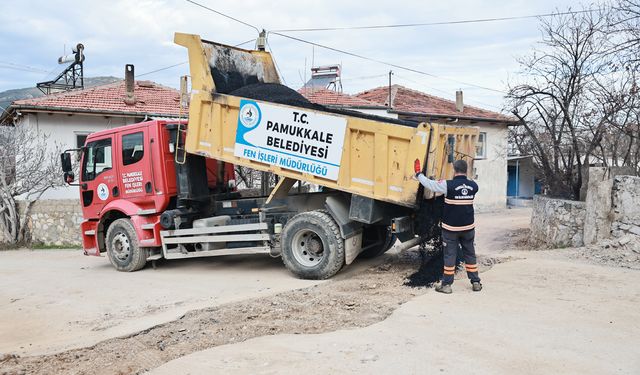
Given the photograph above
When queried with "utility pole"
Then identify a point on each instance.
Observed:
(390, 74)
(261, 42)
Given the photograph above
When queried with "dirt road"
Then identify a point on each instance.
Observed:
(539, 315)
(55, 300)
(539, 312)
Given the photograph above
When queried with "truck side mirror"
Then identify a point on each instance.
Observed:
(65, 161)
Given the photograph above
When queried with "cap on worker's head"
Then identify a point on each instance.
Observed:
(460, 166)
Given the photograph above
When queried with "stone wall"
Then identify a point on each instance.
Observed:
(610, 214)
(597, 225)
(625, 204)
(557, 222)
(55, 222)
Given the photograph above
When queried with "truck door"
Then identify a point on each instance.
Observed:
(98, 177)
(136, 179)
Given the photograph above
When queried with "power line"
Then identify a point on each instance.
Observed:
(18, 69)
(161, 69)
(275, 63)
(480, 20)
(22, 67)
(363, 77)
(243, 43)
(223, 15)
(443, 91)
(346, 52)
(385, 62)
(185, 62)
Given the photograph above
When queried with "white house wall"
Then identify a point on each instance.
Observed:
(491, 172)
(62, 129)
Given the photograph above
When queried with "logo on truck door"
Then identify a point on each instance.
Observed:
(103, 192)
(291, 138)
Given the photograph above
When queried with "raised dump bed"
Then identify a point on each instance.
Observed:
(368, 157)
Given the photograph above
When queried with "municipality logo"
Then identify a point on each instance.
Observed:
(249, 115)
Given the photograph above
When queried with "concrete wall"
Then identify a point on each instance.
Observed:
(62, 129)
(491, 172)
(557, 222)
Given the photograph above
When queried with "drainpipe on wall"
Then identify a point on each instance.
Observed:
(517, 178)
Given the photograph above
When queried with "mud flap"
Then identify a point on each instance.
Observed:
(352, 247)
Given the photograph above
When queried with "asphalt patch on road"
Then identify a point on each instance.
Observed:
(430, 271)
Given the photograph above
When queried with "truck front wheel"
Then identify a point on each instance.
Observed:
(122, 247)
(311, 245)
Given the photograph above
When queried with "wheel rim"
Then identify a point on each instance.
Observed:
(121, 246)
(307, 248)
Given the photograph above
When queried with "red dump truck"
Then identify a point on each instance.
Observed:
(166, 189)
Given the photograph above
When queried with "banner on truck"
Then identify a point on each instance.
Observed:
(291, 138)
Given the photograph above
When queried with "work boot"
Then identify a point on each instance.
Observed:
(476, 287)
(444, 288)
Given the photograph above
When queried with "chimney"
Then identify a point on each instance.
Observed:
(129, 83)
(459, 101)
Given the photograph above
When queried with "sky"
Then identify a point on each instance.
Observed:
(33, 34)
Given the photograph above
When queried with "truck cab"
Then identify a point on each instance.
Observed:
(130, 172)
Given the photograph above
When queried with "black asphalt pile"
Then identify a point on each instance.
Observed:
(276, 93)
(280, 94)
(429, 273)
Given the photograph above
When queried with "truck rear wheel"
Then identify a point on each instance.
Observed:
(311, 246)
(122, 247)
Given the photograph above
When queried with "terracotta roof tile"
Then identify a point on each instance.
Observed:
(151, 98)
(332, 98)
(408, 100)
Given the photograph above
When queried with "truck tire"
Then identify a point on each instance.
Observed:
(377, 233)
(312, 247)
(122, 247)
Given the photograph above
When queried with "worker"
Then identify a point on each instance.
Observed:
(458, 227)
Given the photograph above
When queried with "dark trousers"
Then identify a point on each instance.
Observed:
(450, 243)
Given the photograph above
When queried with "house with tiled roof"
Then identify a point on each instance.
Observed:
(68, 117)
(399, 102)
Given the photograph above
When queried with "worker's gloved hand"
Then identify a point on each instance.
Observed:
(416, 168)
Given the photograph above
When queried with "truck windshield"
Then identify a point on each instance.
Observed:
(97, 159)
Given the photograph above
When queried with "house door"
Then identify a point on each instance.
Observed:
(512, 181)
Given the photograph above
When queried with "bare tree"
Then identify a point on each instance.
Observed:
(625, 24)
(29, 168)
(578, 99)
